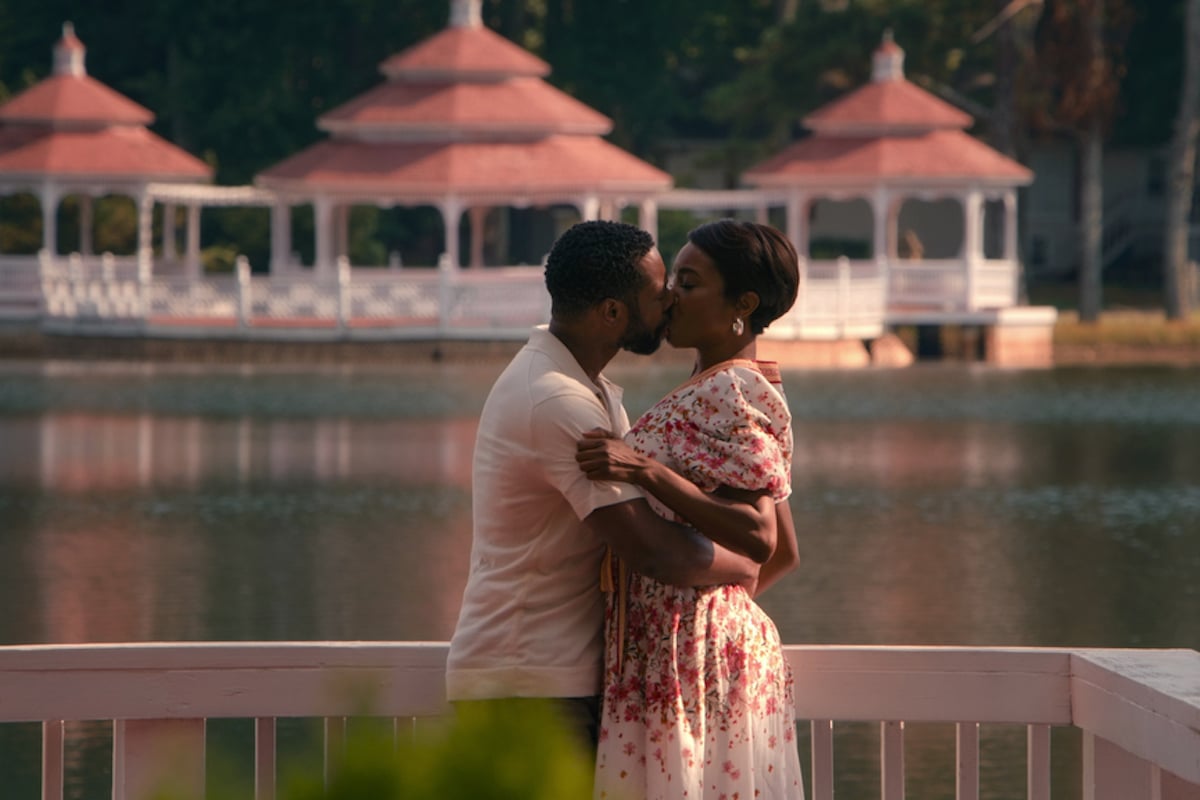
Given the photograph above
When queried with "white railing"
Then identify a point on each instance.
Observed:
(1138, 710)
(950, 285)
(20, 289)
(839, 299)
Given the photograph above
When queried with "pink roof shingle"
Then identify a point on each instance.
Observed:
(519, 103)
(887, 104)
(115, 152)
(466, 49)
(939, 154)
(431, 169)
(73, 99)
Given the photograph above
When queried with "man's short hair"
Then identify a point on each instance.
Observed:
(593, 261)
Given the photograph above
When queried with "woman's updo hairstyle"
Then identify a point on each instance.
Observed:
(752, 258)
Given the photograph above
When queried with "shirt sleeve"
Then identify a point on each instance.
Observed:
(559, 422)
(734, 431)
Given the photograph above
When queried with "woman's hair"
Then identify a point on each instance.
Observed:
(752, 258)
(592, 261)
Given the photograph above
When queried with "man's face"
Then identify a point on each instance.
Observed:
(649, 309)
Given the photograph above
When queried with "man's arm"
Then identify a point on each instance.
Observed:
(666, 551)
(741, 520)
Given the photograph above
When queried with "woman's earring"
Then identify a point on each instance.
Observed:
(738, 326)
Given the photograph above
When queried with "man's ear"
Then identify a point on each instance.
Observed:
(612, 311)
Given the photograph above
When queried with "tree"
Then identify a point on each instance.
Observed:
(1081, 64)
(1181, 163)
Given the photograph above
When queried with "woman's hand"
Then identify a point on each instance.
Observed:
(603, 457)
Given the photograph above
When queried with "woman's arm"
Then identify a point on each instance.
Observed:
(743, 521)
(787, 552)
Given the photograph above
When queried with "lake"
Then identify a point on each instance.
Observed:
(937, 504)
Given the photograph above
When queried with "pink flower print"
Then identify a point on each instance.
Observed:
(630, 748)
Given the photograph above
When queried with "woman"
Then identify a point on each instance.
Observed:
(698, 697)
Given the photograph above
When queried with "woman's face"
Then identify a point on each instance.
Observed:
(701, 316)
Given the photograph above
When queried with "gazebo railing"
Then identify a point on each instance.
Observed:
(838, 299)
(951, 284)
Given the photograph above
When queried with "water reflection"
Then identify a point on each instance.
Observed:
(934, 506)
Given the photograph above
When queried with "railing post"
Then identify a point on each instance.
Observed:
(843, 294)
(967, 761)
(822, 759)
(891, 760)
(800, 313)
(77, 285)
(445, 292)
(45, 275)
(242, 274)
(1037, 740)
(53, 736)
(343, 293)
(264, 758)
(143, 283)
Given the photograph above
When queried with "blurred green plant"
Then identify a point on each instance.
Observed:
(488, 751)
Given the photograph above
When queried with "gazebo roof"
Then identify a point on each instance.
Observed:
(465, 112)
(888, 131)
(555, 166)
(73, 100)
(939, 156)
(118, 153)
(71, 126)
(462, 51)
(521, 105)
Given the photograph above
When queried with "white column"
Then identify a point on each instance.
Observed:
(49, 197)
(880, 208)
(86, 218)
(169, 251)
(323, 234)
(342, 242)
(451, 210)
(648, 216)
(1010, 225)
(192, 256)
(797, 230)
(145, 249)
(762, 214)
(589, 209)
(972, 243)
(477, 215)
(281, 237)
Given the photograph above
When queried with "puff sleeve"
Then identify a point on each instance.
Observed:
(732, 428)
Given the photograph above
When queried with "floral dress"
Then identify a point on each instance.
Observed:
(698, 698)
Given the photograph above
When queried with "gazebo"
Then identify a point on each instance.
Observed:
(464, 122)
(933, 208)
(71, 135)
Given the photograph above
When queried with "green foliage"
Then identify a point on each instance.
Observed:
(490, 751)
(20, 224)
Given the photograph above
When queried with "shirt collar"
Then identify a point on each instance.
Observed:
(542, 340)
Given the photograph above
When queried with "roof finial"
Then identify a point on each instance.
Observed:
(466, 13)
(69, 53)
(888, 62)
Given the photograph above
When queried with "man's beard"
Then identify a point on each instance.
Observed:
(638, 338)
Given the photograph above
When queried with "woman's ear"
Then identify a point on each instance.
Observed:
(747, 304)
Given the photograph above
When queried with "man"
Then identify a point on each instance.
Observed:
(531, 624)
